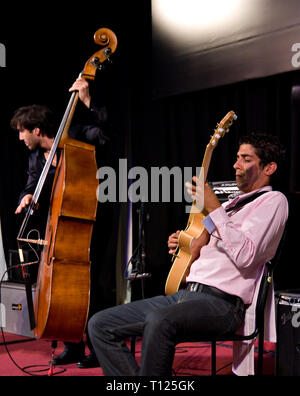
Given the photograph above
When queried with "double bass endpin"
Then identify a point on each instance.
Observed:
(35, 241)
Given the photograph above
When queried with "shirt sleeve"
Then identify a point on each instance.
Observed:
(33, 173)
(250, 239)
(96, 129)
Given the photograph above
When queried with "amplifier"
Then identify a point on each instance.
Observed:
(288, 333)
(223, 189)
(14, 311)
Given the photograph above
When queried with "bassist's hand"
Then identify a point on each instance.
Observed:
(173, 242)
(82, 86)
(26, 200)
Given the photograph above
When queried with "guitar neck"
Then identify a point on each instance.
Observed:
(206, 163)
(219, 132)
(202, 176)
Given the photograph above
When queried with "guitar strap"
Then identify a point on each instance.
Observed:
(245, 201)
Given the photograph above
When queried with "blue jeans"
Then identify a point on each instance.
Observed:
(163, 322)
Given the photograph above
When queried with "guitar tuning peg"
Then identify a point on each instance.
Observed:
(235, 117)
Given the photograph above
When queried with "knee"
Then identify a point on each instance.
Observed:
(97, 323)
(94, 323)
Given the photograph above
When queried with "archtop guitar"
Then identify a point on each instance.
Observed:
(183, 256)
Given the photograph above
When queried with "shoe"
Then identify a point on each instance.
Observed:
(67, 357)
(89, 361)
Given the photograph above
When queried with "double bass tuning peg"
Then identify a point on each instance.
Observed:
(96, 62)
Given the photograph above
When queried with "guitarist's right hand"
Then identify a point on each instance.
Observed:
(173, 242)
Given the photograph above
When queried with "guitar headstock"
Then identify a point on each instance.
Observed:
(222, 128)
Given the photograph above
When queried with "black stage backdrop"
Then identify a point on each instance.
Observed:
(46, 51)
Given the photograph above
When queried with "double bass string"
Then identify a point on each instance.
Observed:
(47, 166)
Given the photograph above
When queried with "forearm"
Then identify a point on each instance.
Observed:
(198, 243)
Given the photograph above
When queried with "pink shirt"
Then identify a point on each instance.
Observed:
(249, 238)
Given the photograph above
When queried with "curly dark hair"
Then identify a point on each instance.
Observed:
(34, 116)
(267, 147)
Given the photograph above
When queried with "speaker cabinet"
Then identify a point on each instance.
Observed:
(288, 333)
(14, 310)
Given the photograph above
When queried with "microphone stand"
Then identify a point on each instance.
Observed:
(138, 258)
(138, 261)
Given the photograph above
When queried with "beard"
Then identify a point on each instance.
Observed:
(32, 145)
(241, 180)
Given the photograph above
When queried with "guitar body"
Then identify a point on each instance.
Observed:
(185, 256)
(191, 240)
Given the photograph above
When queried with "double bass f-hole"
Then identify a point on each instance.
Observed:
(50, 251)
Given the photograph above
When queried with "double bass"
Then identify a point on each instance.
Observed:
(62, 294)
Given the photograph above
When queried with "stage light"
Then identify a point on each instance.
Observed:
(205, 22)
(205, 43)
(194, 13)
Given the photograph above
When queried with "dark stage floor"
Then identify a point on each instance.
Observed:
(191, 359)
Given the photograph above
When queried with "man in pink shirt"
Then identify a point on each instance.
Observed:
(244, 234)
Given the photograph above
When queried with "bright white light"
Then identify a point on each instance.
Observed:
(194, 13)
